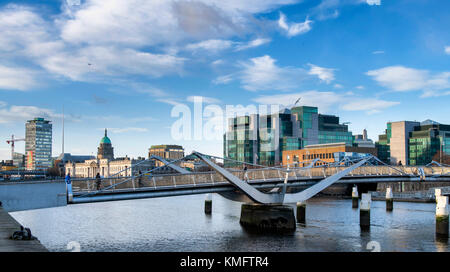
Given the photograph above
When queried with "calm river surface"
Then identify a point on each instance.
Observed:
(179, 224)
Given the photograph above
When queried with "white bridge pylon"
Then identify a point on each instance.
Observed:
(283, 197)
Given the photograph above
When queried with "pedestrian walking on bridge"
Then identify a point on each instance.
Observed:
(245, 173)
(98, 181)
(140, 179)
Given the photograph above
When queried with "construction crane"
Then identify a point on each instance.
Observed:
(12, 141)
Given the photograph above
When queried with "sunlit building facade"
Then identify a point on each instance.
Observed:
(261, 139)
(38, 144)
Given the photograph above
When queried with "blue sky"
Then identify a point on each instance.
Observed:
(124, 64)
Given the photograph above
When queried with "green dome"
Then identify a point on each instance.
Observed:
(105, 140)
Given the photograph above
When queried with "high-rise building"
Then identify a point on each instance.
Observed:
(261, 139)
(38, 144)
(413, 143)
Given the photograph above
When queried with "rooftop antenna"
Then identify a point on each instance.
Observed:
(298, 100)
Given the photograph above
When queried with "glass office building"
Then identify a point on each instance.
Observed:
(261, 139)
(38, 144)
(425, 142)
(382, 145)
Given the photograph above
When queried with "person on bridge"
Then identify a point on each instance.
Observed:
(98, 181)
(140, 179)
(68, 185)
(245, 173)
(67, 179)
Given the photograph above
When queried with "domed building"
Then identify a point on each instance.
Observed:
(106, 165)
(105, 150)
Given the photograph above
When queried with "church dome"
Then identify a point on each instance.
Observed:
(105, 140)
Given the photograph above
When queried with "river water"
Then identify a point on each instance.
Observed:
(179, 224)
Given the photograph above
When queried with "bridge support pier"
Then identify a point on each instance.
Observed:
(301, 212)
(208, 204)
(355, 198)
(267, 218)
(437, 193)
(389, 199)
(442, 217)
(364, 211)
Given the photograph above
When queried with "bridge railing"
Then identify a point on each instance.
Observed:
(173, 180)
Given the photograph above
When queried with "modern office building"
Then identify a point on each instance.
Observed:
(428, 143)
(38, 144)
(361, 140)
(19, 160)
(261, 139)
(414, 143)
(168, 152)
(325, 153)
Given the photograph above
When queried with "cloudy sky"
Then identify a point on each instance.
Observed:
(124, 64)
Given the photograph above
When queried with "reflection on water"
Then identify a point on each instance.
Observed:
(179, 224)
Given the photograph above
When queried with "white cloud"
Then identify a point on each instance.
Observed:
(110, 61)
(447, 50)
(360, 87)
(373, 2)
(15, 78)
(324, 100)
(324, 74)
(217, 62)
(216, 46)
(205, 99)
(262, 73)
(223, 79)
(103, 40)
(378, 52)
(210, 45)
(13, 113)
(294, 29)
(127, 22)
(127, 129)
(328, 100)
(252, 44)
(338, 86)
(169, 101)
(403, 79)
(372, 105)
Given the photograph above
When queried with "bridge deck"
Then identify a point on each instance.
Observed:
(7, 227)
(210, 182)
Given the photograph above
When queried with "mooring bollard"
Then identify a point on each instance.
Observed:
(437, 194)
(364, 211)
(355, 197)
(301, 212)
(389, 199)
(208, 204)
(442, 217)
